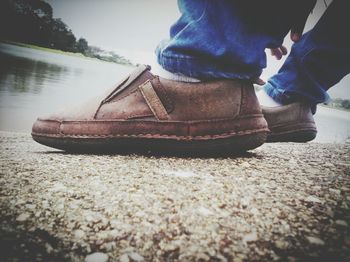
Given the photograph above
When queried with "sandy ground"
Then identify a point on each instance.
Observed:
(279, 202)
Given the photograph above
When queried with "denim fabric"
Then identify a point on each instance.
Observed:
(222, 38)
(227, 39)
(317, 62)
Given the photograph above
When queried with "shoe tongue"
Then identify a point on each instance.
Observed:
(140, 75)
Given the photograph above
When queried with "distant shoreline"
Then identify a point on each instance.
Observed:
(336, 108)
(45, 49)
(57, 51)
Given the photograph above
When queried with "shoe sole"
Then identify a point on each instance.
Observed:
(294, 132)
(230, 145)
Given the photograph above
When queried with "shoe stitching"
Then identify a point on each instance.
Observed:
(148, 121)
(286, 124)
(245, 132)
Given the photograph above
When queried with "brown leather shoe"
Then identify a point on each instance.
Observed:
(146, 113)
(290, 123)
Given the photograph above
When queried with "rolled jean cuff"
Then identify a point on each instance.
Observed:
(276, 94)
(284, 97)
(203, 68)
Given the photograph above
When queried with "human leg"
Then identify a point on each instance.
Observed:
(225, 38)
(317, 62)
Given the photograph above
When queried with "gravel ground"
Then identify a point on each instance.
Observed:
(285, 202)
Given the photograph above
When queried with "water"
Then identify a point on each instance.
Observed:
(34, 83)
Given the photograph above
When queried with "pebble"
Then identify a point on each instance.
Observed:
(181, 174)
(79, 234)
(281, 244)
(335, 191)
(58, 187)
(23, 217)
(251, 237)
(96, 257)
(204, 211)
(345, 189)
(313, 199)
(48, 248)
(315, 240)
(254, 211)
(328, 165)
(342, 223)
(245, 202)
(202, 257)
(124, 258)
(245, 165)
(136, 257)
(30, 206)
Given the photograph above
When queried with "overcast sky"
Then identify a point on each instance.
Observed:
(126, 26)
(133, 28)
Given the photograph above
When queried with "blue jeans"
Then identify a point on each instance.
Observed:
(227, 39)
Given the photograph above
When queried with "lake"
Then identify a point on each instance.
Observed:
(35, 82)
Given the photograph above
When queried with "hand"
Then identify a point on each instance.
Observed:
(300, 18)
(302, 13)
(259, 81)
(279, 52)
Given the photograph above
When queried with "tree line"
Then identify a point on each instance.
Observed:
(31, 22)
(339, 103)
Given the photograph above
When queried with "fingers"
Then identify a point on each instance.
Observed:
(300, 19)
(295, 36)
(279, 52)
(284, 50)
(276, 53)
(259, 81)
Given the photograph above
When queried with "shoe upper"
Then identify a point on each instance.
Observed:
(142, 99)
(291, 113)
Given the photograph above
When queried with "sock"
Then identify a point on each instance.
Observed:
(160, 71)
(266, 100)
